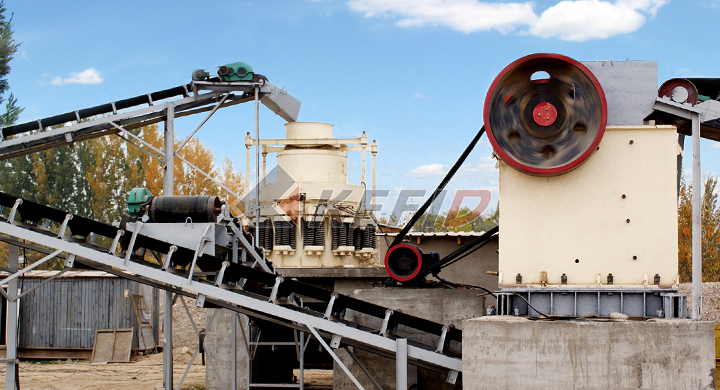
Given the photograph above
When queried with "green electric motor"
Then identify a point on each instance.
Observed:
(237, 71)
(137, 198)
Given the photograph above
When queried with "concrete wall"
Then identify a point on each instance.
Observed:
(440, 305)
(219, 351)
(516, 353)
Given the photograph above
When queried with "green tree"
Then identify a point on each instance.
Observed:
(8, 48)
(710, 222)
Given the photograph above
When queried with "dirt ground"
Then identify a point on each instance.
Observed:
(143, 373)
(184, 335)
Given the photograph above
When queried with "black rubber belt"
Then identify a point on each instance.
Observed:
(400, 237)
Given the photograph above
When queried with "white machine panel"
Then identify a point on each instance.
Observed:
(615, 214)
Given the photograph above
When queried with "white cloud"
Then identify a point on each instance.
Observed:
(578, 20)
(461, 15)
(418, 95)
(87, 76)
(583, 20)
(475, 170)
(715, 145)
(430, 170)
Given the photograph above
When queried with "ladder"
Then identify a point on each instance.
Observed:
(265, 295)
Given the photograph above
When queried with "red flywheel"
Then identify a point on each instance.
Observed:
(545, 114)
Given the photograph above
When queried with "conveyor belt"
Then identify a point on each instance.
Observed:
(127, 114)
(258, 297)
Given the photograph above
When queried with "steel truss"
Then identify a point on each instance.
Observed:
(265, 296)
(120, 116)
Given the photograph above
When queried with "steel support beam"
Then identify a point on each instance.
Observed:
(238, 301)
(168, 190)
(233, 376)
(336, 358)
(401, 364)
(696, 222)
(11, 324)
(257, 167)
(681, 154)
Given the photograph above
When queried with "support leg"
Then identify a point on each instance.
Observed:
(168, 189)
(11, 331)
(696, 222)
(156, 315)
(168, 343)
(401, 365)
(234, 351)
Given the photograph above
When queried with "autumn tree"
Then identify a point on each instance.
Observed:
(187, 179)
(92, 178)
(710, 222)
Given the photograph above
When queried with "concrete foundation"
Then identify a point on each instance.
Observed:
(517, 353)
(219, 354)
(440, 305)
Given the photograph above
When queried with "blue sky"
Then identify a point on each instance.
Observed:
(411, 74)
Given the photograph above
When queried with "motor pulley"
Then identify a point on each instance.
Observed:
(545, 114)
(679, 91)
(184, 208)
(406, 262)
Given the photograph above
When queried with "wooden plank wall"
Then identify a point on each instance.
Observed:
(65, 312)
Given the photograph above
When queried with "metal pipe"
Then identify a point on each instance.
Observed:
(156, 315)
(189, 137)
(401, 364)
(363, 148)
(257, 166)
(11, 327)
(681, 144)
(167, 342)
(168, 189)
(696, 222)
(301, 370)
(17, 274)
(373, 149)
(336, 358)
(264, 171)
(248, 145)
(234, 351)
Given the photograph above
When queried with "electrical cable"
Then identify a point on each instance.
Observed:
(401, 236)
(488, 292)
(531, 306)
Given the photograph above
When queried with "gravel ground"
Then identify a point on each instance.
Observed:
(183, 332)
(143, 373)
(710, 299)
